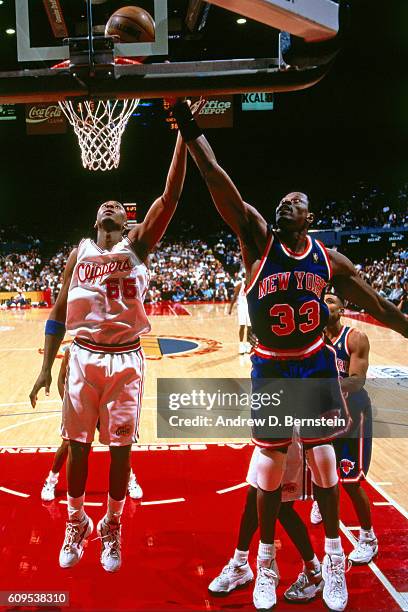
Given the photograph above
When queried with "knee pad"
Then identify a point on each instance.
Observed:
(322, 463)
(270, 469)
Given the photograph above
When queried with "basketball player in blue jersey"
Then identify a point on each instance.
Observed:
(353, 452)
(287, 272)
(101, 305)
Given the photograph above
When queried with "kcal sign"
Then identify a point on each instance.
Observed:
(257, 101)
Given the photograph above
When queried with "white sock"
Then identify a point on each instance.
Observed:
(76, 510)
(367, 534)
(53, 477)
(114, 509)
(332, 546)
(266, 554)
(241, 556)
(313, 565)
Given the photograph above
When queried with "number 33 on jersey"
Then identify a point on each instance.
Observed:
(286, 299)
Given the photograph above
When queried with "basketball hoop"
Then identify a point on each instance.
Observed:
(99, 125)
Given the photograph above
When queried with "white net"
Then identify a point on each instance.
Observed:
(99, 126)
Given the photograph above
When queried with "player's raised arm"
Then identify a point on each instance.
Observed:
(359, 349)
(244, 219)
(54, 331)
(146, 235)
(352, 287)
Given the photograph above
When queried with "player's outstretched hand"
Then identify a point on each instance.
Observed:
(44, 380)
(196, 106)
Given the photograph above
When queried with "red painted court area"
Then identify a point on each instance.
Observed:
(172, 309)
(176, 540)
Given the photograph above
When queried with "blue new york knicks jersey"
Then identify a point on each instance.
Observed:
(286, 297)
(359, 400)
(353, 452)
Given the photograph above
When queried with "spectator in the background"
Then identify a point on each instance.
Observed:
(178, 295)
(20, 300)
(383, 289)
(396, 293)
(403, 303)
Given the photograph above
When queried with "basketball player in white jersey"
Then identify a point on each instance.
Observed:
(243, 316)
(101, 305)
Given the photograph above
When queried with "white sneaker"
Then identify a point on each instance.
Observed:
(306, 587)
(109, 533)
(134, 489)
(264, 596)
(335, 593)
(364, 551)
(242, 348)
(231, 577)
(248, 347)
(76, 534)
(315, 516)
(48, 490)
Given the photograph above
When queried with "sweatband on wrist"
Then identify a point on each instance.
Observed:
(54, 328)
(186, 122)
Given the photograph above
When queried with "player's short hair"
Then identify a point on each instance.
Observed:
(332, 291)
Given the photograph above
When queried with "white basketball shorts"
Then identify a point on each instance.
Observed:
(296, 481)
(103, 386)
(243, 315)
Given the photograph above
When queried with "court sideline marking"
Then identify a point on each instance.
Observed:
(396, 595)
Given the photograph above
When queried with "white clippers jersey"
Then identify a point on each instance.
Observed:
(105, 297)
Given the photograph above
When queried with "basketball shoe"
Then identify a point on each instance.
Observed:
(134, 489)
(110, 534)
(267, 579)
(48, 490)
(231, 577)
(364, 551)
(306, 587)
(335, 593)
(315, 516)
(76, 534)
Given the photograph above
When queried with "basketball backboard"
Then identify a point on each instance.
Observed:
(42, 26)
(207, 51)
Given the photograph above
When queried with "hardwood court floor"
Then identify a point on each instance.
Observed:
(197, 341)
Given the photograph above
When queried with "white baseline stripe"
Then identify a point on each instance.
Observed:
(397, 597)
(163, 501)
(356, 528)
(388, 497)
(13, 492)
(240, 486)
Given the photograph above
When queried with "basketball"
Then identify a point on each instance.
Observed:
(132, 24)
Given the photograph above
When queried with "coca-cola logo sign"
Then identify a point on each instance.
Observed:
(38, 114)
(45, 118)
